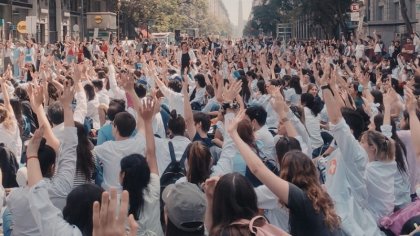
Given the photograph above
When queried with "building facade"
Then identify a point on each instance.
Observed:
(384, 17)
(56, 19)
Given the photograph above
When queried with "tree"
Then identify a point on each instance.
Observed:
(405, 17)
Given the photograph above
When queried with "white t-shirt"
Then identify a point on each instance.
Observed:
(360, 50)
(312, 124)
(149, 218)
(267, 140)
(11, 139)
(110, 154)
(180, 143)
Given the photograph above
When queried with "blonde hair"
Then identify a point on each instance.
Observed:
(6, 118)
(385, 148)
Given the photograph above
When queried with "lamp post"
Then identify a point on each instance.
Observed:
(118, 19)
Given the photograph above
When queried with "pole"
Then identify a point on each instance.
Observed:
(82, 23)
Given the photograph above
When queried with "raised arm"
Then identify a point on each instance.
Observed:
(146, 111)
(36, 97)
(189, 117)
(414, 120)
(6, 99)
(277, 185)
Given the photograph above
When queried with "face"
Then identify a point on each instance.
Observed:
(313, 91)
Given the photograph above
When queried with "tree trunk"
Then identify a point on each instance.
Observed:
(405, 17)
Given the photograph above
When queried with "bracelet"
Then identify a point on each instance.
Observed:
(327, 87)
(31, 157)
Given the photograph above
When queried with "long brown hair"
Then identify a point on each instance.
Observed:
(385, 147)
(199, 163)
(299, 169)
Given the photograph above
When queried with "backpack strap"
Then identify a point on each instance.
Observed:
(184, 156)
(171, 151)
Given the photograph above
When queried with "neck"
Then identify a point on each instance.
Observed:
(119, 138)
(202, 133)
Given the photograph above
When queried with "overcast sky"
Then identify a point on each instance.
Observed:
(232, 8)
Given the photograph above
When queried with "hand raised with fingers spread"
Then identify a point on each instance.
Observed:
(106, 220)
(36, 96)
(68, 94)
(147, 108)
(234, 89)
(210, 185)
(233, 124)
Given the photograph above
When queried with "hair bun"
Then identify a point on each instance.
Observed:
(174, 114)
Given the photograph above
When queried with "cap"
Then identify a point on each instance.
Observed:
(185, 205)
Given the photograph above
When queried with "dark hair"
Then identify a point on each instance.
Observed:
(408, 226)
(55, 113)
(172, 230)
(200, 80)
(176, 123)
(125, 123)
(378, 98)
(79, 207)
(199, 163)
(140, 90)
(261, 86)
(85, 160)
(234, 199)
(97, 83)
(46, 157)
(90, 92)
(258, 113)
(310, 102)
(22, 94)
(407, 119)
(136, 178)
(286, 144)
(52, 91)
(17, 110)
(204, 119)
(175, 85)
(210, 90)
(295, 83)
(400, 149)
(355, 121)
(113, 110)
(119, 102)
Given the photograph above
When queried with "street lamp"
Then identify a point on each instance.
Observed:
(118, 19)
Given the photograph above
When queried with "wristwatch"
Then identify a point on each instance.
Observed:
(230, 105)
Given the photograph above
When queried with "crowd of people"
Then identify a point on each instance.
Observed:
(210, 137)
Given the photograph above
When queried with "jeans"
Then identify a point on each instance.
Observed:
(7, 223)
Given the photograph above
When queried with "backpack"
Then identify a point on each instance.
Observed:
(395, 221)
(175, 170)
(8, 166)
(266, 230)
(269, 163)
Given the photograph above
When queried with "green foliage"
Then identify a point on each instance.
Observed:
(169, 15)
(328, 14)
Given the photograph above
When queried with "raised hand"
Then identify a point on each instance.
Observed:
(35, 142)
(232, 91)
(209, 186)
(232, 126)
(127, 82)
(106, 220)
(68, 94)
(147, 108)
(411, 101)
(36, 96)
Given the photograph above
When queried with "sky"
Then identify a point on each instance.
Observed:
(232, 8)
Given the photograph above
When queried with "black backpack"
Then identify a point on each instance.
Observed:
(269, 163)
(175, 169)
(8, 166)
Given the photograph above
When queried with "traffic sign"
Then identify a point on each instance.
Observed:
(21, 27)
(354, 7)
(76, 28)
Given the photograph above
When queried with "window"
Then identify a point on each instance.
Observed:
(397, 11)
(380, 13)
